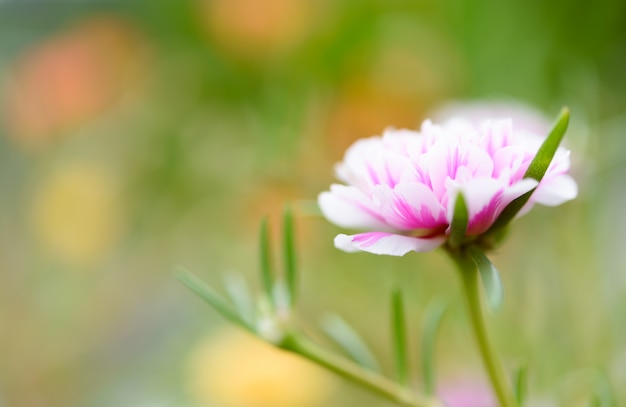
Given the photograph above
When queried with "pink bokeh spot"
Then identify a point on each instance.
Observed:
(400, 188)
(467, 396)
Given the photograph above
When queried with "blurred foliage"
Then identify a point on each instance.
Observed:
(141, 134)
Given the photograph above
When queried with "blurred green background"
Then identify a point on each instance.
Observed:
(137, 135)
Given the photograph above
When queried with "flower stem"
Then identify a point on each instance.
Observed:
(373, 381)
(469, 276)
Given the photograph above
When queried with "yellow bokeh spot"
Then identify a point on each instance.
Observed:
(234, 369)
(76, 213)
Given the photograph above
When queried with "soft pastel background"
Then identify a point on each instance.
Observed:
(137, 135)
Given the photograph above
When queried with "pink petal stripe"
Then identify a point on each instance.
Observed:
(410, 206)
(484, 218)
(386, 243)
(348, 207)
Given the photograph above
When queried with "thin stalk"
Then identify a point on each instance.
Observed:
(267, 273)
(398, 329)
(434, 315)
(471, 288)
(289, 253)
(348, 370)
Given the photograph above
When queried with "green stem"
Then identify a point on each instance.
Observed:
(469, 276)
(348, 370)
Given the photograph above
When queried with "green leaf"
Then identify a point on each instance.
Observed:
(350, 341)
(281, 296)
(520, 382)
(432, 322)
(490, 278)
(267, 277)
(289, 252)
(209, 295)
(238, 292)
(536, 170)
(458, 228)
(399, 336)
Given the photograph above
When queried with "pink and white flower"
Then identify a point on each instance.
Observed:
(400, 188)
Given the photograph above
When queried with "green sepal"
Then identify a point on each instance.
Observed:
(398, 327)
(460, 219)
(289, 253)
(432, 322)
(490, 278)
(540, 164)
(489, 242)
(536, 170)
(350, 341)
(204, 291)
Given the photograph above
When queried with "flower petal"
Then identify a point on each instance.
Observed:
(555, 191)
(350, 208)
(456, 160)
(378, 160)
(386, 243)
(410, 206)
(486, 198)
(478, 193)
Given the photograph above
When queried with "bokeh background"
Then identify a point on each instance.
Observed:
(137, 135)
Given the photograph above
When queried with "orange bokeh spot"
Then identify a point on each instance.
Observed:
(252, 28)
(69, 79)
(395, 89)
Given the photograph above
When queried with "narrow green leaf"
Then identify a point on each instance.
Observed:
(281, 296)
(458, 228)
(536, 170)
(267, 277)
(520, 382)
(238, 292)
(350, 341)
(432, 322)
(399, 336)
(289, 252)
(209, 295)
(490, 278)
